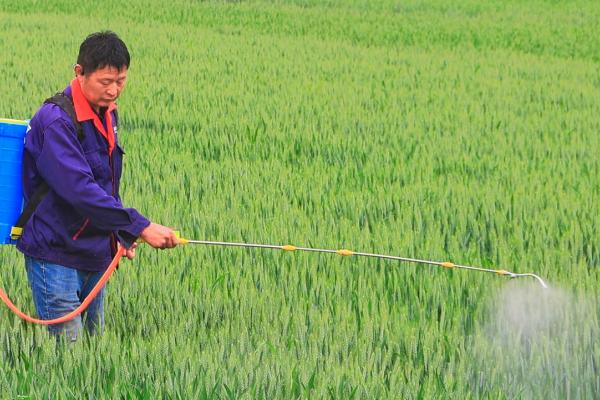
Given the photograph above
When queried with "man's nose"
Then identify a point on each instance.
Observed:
(112, 90)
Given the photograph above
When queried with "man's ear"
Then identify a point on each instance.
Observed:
(78, 70)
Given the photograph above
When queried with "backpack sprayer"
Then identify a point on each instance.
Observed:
(12, 134)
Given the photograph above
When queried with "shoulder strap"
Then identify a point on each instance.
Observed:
(17, 230)
(64, 102)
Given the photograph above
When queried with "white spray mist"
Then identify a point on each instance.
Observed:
(539, 343)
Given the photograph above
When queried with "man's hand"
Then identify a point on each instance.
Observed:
(130, 252)
(159, 237)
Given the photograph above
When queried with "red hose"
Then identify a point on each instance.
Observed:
(111, 268)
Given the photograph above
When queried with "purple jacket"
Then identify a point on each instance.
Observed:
(79, 221)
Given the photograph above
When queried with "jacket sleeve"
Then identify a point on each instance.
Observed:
(62, 164)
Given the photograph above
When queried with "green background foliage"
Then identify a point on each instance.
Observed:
(427, 129)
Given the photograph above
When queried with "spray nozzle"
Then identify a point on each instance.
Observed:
(515, 275)
(540, 280)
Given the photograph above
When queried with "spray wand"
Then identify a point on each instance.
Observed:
(345, 252)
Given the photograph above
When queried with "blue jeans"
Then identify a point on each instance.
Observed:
(58, 290)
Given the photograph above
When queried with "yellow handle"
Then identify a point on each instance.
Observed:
(181, 240)
(447, 264)
(288, 247)
(345, 252)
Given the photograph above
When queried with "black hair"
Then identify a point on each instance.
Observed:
(101, 49)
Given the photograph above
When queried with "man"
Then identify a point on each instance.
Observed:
(72, 235)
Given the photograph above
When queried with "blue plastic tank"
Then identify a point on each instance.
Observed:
(12, 135)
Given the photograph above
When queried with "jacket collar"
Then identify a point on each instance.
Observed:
(84, 112)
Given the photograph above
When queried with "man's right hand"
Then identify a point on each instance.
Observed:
(159, 237)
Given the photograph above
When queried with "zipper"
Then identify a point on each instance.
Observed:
(112, 171)
(81, 229)
(113, 239)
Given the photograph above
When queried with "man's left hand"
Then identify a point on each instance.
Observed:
(130, 252)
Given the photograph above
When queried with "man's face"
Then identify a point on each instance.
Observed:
(102, 86)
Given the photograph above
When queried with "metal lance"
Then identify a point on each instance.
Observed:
(346, 252)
